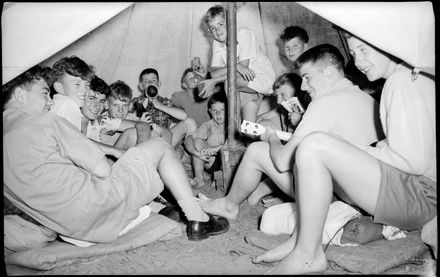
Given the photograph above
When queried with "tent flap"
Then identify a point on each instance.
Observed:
(405, 30)
(31, 32)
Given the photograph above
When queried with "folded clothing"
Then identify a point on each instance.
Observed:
(281, 219)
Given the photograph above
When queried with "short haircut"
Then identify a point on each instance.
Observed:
(121, 91)
(217, 10)
(148, 71)
(73, 66)
(217, 97)
(293, 79)
(25, 80)
(292, 32)
(323, 53)
(100, 86)
(186, 71)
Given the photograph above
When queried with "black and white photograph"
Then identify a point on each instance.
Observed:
(219, 138)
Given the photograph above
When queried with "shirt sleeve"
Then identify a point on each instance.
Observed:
(75, 146)
(247, 45)
(70, 112)
(410, 127)
(317, 117)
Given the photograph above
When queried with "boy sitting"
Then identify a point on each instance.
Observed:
(205, 143)
(294, 41)
(188, 99)
(118, 103)
(255, 72)
(62, 179)
(285, 87)
(160, 110)
(72, 78)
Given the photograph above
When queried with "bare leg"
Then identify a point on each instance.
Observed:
(264, 188)
(249, 111)
(172, 173)
(254, 163)
(182, 128)
(198, 166)
(319, 159)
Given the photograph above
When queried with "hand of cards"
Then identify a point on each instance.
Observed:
(256, 129)
(292, 105)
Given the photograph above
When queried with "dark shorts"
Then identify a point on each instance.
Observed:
(216, 165)
(405, 200)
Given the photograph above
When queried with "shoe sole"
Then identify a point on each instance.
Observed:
(205, 236)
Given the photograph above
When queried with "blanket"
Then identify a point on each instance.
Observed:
(155, 227)
(371, 258)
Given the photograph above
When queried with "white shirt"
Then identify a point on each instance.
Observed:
(66, 107)
(248, 48)
(407, 114)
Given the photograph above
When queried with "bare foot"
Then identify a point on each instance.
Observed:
(264, 188)
(199, 182)
(278, 253)
(254, 198)
(300, 261)
(220, 207)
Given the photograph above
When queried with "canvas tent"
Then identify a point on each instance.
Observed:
(121, 39)
(138, 35)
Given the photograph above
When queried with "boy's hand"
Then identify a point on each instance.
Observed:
(268, 133)
(247, 73)
(202, 157)
(115, 152)
(208, 151)
(208, 88)
(146, 117)
(294, 118)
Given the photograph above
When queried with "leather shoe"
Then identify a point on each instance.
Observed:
(197, 230)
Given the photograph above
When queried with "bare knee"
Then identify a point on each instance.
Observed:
(256, 151)
(313, 145)
(190, 124)
(156, 144)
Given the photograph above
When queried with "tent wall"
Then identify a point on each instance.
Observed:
(167, 35)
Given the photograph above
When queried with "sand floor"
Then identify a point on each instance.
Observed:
(226, 254)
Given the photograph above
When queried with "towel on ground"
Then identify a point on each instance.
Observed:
(370, 258)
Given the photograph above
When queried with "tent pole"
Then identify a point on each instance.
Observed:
(233, 149)
(231, 42)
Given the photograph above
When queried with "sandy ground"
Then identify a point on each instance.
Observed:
(226, 254)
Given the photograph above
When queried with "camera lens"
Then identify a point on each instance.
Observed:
(151, 91)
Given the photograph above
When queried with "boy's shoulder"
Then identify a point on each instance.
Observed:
(61, 100)
(58, 97)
